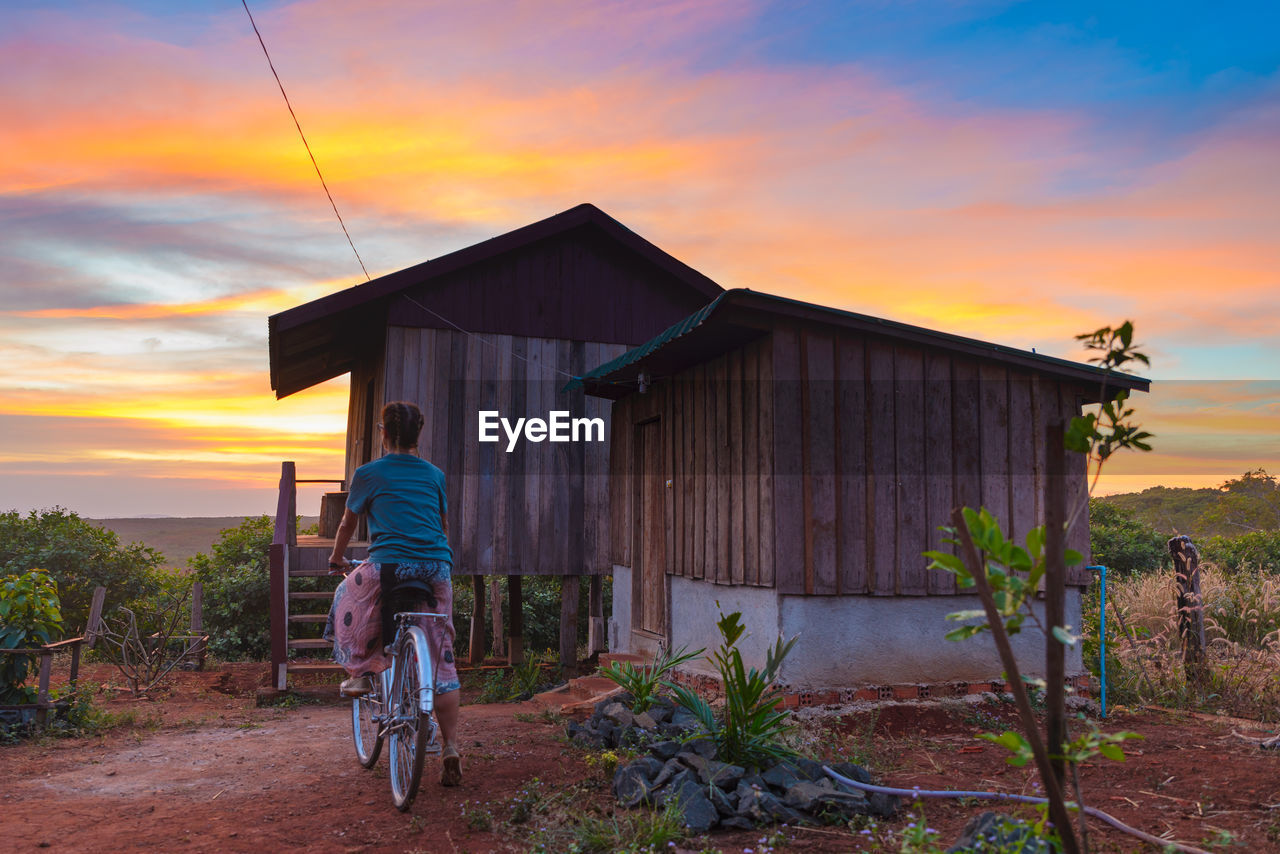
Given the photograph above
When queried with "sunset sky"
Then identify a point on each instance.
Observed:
(1018, 172)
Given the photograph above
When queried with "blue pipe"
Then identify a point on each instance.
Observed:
(1102, 635)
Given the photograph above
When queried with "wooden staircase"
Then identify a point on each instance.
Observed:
(298, 615)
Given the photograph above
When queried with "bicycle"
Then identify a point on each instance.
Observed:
(401, 708)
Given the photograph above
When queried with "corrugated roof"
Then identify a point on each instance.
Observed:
(676, 330)
(616, 378)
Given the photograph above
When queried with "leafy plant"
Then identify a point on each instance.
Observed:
(530, 675)
(30, 615)
(642, 683)
(751, 729)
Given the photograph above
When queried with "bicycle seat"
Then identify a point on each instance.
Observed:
(405, 595)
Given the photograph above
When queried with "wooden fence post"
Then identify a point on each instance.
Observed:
(43, 705)
(1186, 567)
(94, 627)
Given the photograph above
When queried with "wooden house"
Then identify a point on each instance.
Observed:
(498, 326)
(793, 461)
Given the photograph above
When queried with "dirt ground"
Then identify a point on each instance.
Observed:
(202, 768)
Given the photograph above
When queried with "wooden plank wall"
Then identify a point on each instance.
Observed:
(823, 464)
(880, 440)
(718, 428)
(541, 509)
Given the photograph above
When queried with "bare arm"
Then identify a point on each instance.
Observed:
(346, 529)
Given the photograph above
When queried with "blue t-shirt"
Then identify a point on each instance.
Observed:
(404, 497)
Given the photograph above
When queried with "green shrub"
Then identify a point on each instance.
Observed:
(751, 729)
(79, 556)
(237, 590)
(1122, 543)
(1260, 549)
(29, 616)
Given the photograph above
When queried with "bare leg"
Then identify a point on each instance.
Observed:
(450, 758)
(447, 715)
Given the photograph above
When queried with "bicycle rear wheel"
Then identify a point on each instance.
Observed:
(364, 729)
(411, 728)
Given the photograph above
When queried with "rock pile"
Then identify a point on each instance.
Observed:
(680, 766)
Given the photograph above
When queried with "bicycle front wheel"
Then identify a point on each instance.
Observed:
(364, 729)
(411, 728)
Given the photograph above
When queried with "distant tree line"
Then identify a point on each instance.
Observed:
(1236, 526)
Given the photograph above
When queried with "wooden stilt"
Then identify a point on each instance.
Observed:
(475, 653)
(515, 618)
(495, 617)
(597, 636)
(570, 587)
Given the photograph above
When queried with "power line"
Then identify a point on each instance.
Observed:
(305, 144)
(367, 277)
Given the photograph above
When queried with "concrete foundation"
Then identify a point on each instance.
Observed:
(844, 641)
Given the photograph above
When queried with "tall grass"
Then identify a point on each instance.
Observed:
(1242, 628)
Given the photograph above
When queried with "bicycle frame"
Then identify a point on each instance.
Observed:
(386, 716)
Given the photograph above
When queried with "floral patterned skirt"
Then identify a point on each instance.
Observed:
(355, 620)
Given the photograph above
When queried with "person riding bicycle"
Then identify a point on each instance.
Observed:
(403, 497)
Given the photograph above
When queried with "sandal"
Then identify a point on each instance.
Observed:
(450, 767)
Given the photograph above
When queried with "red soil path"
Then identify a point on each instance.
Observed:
(207, 770)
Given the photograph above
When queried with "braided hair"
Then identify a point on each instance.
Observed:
(402, 422)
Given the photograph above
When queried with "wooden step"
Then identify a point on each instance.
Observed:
(312, 594)
(308, 618)
(310, 643)
(309, 667)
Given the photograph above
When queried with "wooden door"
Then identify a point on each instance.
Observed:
(649, 546)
